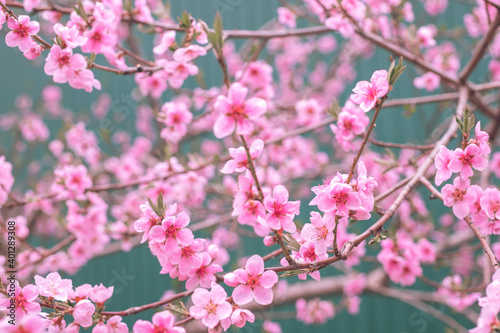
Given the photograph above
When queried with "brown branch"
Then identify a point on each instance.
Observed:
(401, 145)
(56, 248)
(481, 48)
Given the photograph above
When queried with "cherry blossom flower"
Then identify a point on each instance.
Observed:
(287, 17)
(188, 257)
(29, 323)
(53, 286)
(82, 313)
(252, 282)
(161, 322)
(149, 219)
(319, 231)
(34, 51)
(210, 306)
(62, 64)
(236, 112)
(239, 317)
(100, 294)
(452, 294)
(464, 160)
(482, 140)
(314, 311)
(172, 232)
(271, 327)
(71, 36)
(429, 81)
(22, 30)
(74, 179)
(490, 203)
(458, 197)
(281, 211)
(442, 161)
(367, 93)
(167, 39)
(98, 38)
(239, 159)
(24, 300)
(203, 275)
(338, 198)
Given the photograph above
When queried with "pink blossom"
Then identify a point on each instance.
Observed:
(367, 93)
(149, 219)
(74, 179)
(82, 313)
(98, 38)
(287, 17)
(425, 36)
(338, 198)
(458, 197)
(172, 232)
(210, 306)
(22, 30)
(236, 112)
(442, 161)
(62, 64)
(239, 159)
(490, 203)
(187, 54)
(314, 311)
(84, 79)
(53, 286)
(464, 160)
(161, 322)
(319, 231)
(451, 292)
(188, 257)
(281, 211)
(309, 111)
(70, 36)
(100, 294)
(29, 323)
(240, 317)
(34, 51)
(435, 7)
(429, 81)
(252, 282)
(203, 275)
(167, 39)
(482, 139)
(24, 301)
(271, 327)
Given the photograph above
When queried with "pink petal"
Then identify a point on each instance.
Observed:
(224, 310)
(157, 234)
(210, 320)
(242, 294)
(460, 210)
(255, 107)
(185, 237)
(263, 295)
(229, 167)
(237, 94)
(255, 265)
(244, 126)
(182, 220)
(200, 297)
(280, 194)
(222, 104)
(224, 126)
(12, 39)
(268, 279)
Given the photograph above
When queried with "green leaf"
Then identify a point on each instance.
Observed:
(155, 208)
(294, 272)
(159, 202)
(219, 30)
(291, 242)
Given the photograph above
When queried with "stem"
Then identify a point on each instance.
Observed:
(277, 233)
(378, 107)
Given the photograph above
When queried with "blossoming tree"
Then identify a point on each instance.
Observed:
(214, 165)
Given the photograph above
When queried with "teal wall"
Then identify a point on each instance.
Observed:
(134, 274)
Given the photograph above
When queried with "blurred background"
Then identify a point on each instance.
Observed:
(135, 274)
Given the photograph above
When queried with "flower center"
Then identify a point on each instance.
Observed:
(21, 30)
